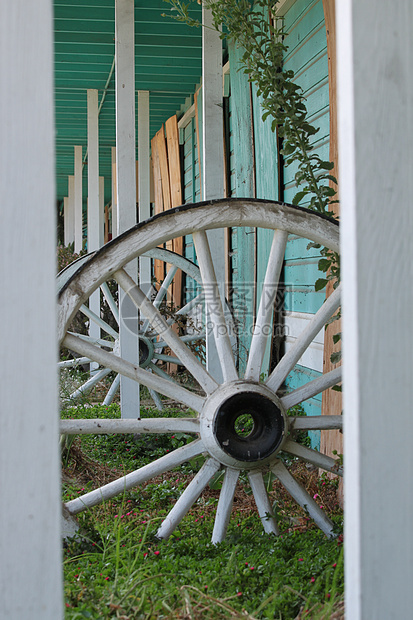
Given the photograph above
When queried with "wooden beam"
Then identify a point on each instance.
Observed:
(159, 266)
(213, 157)
(30, 542)
(114, 195)
(78, 200)
(174, 162)
(375, 98)
(331, 399)
(144, 181)
(126, 186)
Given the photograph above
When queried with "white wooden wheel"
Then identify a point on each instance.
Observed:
(151, 352)
(221, 404)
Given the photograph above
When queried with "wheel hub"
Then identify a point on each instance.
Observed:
(243, 425)
(146, 351)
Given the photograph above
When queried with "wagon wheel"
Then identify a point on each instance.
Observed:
(152, 353)
(222, 405)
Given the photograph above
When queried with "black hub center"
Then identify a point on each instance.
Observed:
(143, 352)
(249, 426)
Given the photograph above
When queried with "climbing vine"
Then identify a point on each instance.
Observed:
(250, 25)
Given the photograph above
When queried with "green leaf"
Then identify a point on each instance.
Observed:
(335, 357)
(337, 337)
(320, 284)
(324, 264)
(326, 165)
(299, 196)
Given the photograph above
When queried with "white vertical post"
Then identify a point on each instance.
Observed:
(126, 186)
(101, 211)
(93, 214)
(70, 217)
(78, 200)
(114, 196)
(30, 543)
(68, 220)
(93, 234)
(213, 157)
(375, 99)
(144, 183)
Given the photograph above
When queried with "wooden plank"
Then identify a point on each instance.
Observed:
(175, 178)
(332, 401)
(172, 137)
(159, 270)
(30, 542)
(164, 170)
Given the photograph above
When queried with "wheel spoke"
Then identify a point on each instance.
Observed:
(191, 304)
(289, 360)
(121, 426)
(96, 319)
(312, 456)
(226, 499)
(167, 358)
(214, 305)
(161, 465)
(156, 399)
(312, 388)
(315, 422)
(163, 289)
(135, 373)
(263, 503)
(110, 301)
(90, 383)
(161, 373)
(73, 363)
(263, 324)
(186, 356)
(302, 498)
(112, 391)
(188, 498)
(161, 344)
(99, 341)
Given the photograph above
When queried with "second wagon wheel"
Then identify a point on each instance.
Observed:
(152, 354)
(222, 403)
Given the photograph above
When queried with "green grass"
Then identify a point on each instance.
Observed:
(120, 570)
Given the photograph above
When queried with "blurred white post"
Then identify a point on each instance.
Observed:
(144, 183)
(101, 211)
(30, 542)
(213, 158)
(375, 99)
(69, 212)
(78, 200)
(93, 214)
(114, 197)
(68, 217)
(126, 187)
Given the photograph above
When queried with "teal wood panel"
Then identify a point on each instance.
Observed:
(299, 376)
(307, 57)
(266, 180)
(242, 185)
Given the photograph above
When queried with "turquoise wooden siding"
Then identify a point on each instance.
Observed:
(307, 57)
(192, 193)
(242, 186)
